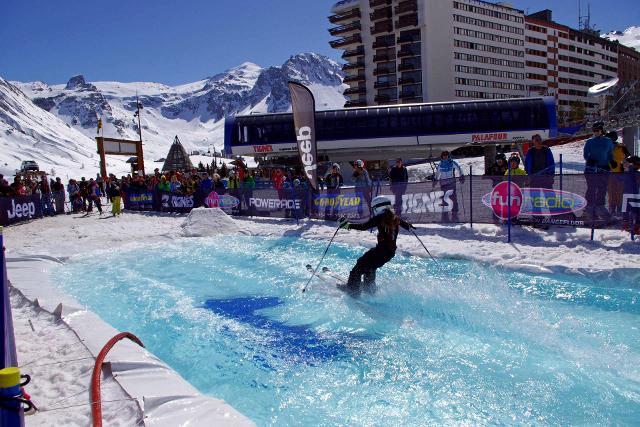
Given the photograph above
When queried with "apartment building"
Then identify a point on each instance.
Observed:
(400, 51)
(564, 62)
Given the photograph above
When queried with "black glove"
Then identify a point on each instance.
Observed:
(462, 179)
(409, 226)
(613, 164)
(344, 223)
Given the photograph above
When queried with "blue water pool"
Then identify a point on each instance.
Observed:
(454, 343)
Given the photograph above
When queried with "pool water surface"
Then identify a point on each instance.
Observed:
(448, 343)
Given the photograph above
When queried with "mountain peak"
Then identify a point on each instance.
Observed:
(629, 37)
(76, 81)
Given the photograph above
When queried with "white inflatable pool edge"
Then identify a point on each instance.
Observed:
(166, 399)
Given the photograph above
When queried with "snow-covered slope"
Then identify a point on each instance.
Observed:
(27, 132)
(629, 37)
(194, 111)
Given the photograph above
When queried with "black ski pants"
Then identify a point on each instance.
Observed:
(366, 266)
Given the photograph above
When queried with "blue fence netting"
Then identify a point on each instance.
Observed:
(599, 200)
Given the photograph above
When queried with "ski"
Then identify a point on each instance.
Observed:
(327, 278)
(341, 280)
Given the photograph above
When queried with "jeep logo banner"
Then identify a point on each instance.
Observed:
(20, 208)
(304, 119)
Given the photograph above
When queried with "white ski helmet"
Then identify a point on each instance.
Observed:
(359, 163)
(380, 204)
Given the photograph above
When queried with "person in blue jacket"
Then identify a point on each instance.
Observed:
(539, 164)
(598, 155)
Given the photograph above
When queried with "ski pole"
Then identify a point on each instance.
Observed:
(315, 270)
(425, 248)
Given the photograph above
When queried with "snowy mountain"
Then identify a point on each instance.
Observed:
(27, 132)
(195, 111)
(629, 37)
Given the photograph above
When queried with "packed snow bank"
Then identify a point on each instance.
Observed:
(207, 222)
(60, 366)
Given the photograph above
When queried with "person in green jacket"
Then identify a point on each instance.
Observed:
(164, 185)
(514, 166)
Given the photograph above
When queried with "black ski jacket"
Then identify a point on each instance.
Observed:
(386, 237)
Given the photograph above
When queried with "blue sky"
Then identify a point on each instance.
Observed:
(178, 42)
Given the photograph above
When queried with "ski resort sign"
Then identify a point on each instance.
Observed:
(507, 203)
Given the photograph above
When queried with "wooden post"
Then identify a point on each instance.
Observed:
(103, 161)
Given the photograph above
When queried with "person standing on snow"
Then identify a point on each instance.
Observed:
(363, 274)
(398, 178)
(362, 184)
(598, 154)
(446, 175)
(539, 164)
(333, 181)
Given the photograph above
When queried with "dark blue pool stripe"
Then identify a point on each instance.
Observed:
(299, 342)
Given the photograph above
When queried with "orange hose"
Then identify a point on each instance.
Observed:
(96, 407)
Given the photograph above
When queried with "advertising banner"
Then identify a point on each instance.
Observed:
(304, 119)
(19, 208)
(140, 201)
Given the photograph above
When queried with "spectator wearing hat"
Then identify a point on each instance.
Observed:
(398, 178)
(334, 181)
(514, 167)
(539, 164)
(362, 184)
(598, 155)
(446, 176)
(615, 187)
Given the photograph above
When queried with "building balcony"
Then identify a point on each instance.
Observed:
(347, 41)
(408, 67)
(377, 45)
(379, 3)
(411, 100)
(355, 91)
(408, 81)
(406, 6)
(407, 21)
(383, 85)
(404, 53)
(344, 29)
(352, 66)
(409, 39)
(385, 99)
(355, 103)
(386, 13)
(354, 79)
(359, 51)
(384, 70)
(343, 17)
(384, 57)
(409, 94)
(382, 27)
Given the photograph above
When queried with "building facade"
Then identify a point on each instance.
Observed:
(564, 63)
(429, 50)
(405, 51)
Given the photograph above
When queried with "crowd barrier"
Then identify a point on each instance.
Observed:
(609, 201)
(15, 209)
(589, 200)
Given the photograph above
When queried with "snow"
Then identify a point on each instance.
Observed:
(629, 37)
(203, 222)
(65, 237)
(63, 137)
